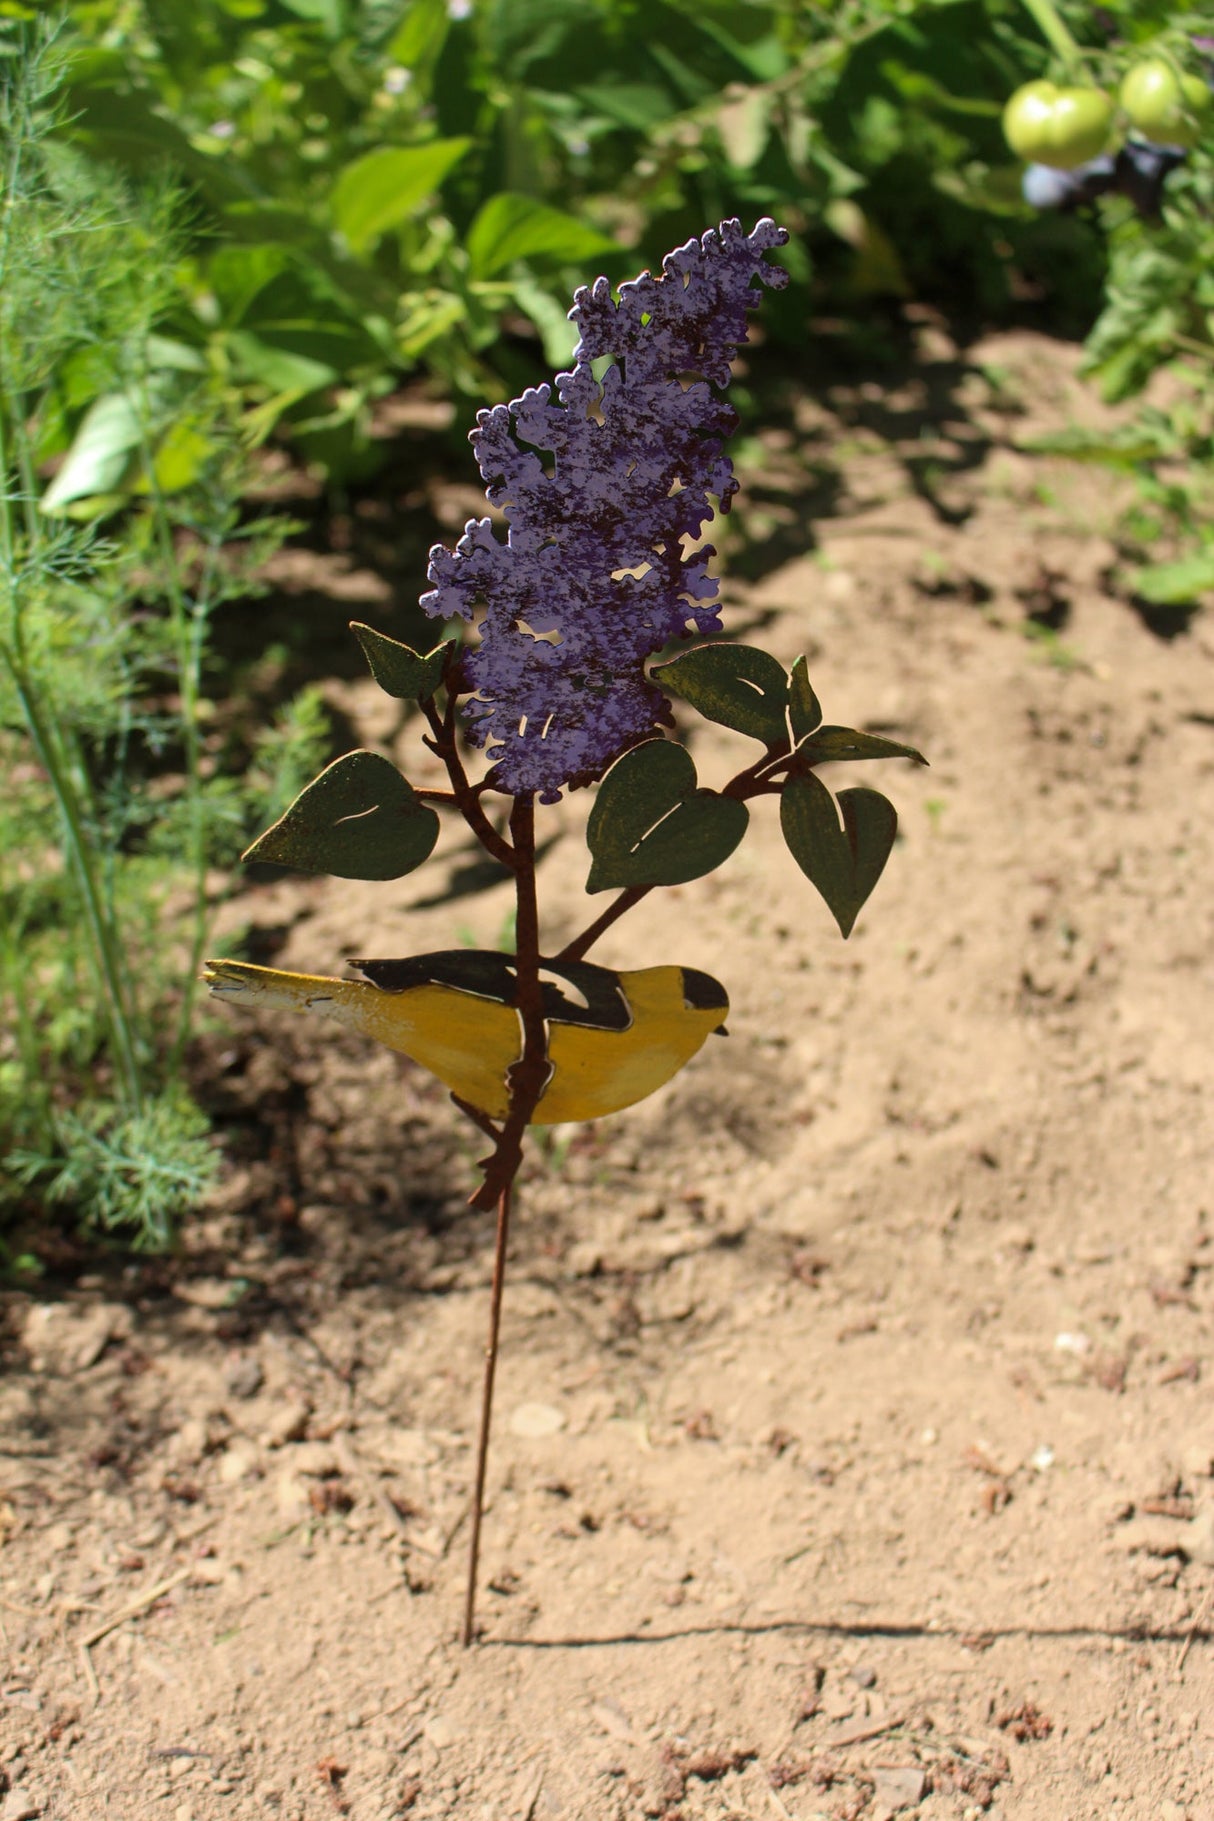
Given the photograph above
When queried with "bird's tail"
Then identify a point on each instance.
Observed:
(240, 983)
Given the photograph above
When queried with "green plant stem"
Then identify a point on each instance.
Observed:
(106, 948)
(1049, 23)
(188, 619)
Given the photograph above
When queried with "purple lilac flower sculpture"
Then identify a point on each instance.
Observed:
(595, 574)
(598, 573)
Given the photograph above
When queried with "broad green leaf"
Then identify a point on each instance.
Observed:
(551, 319)
(165, 353)
(639, 105)
(1175, 584)
(278, 368)
(358, 820)
(738, 686)
(238, 273)
(650, 825)
(511, 227)
(329, 14)
(180, 458)
(386, 186)
(398, 669)
(804, 708)
(843, 863)
(420, 34)
(845, 743)
(108, 435)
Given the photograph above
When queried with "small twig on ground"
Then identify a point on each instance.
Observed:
(90, 1674)
(453, 1532)
(1199, 1619)
(356, 1469)
(133, 1608)
(189, 1532)
(861, 1733)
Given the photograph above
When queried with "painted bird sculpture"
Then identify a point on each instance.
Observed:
(613, 1038)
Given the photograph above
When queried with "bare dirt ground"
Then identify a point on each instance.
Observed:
(855, 1449)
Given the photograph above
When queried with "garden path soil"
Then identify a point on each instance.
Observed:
(855, 1445)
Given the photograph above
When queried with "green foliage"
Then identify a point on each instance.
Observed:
(137, 1173)
(120, 536)
(391, 187)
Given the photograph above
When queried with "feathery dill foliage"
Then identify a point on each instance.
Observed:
(120, 535)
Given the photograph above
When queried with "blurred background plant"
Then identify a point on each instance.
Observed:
(117, 803)
(406, 185)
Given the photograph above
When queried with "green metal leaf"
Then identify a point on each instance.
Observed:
(650, 825)
(845, 743)
(358, 820)
(804, 708)
(384, 187)
(399, 670)
(737, 686)
(511, 227)
(843, 863)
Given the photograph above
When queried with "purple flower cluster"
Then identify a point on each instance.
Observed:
(594, 576)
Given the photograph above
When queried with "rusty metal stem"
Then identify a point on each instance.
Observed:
(482, 1449)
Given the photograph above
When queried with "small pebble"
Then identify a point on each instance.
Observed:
(863, 1676)
(536, 1420)
(19, 1806)
(245, 1377)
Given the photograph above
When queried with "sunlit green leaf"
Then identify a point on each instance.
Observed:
(384, 187)
(1175, 584)
(420, 34)
(510, 228)
(277, 367)
(100, 453)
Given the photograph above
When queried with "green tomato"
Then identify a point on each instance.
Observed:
(1045, 124)
(1166, 108)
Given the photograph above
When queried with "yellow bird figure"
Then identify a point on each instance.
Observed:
(612, 1038)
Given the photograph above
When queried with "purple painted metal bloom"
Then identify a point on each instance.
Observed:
(593, 577)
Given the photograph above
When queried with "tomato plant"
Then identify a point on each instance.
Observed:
(1061, 127)
(1166, 106)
